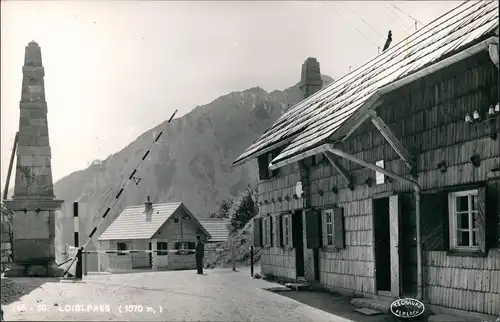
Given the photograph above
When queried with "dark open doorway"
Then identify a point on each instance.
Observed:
(298, 242)
(381, 227)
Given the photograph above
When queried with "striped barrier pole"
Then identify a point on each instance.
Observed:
(135, 251)
(76, 225)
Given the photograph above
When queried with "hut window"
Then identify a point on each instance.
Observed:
(185, 245)
(121, 247)
(162, 248)
(467, 220)
(333, 228)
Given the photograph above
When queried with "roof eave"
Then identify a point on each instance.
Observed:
(353, 122)
(183, 206)
(239, 161)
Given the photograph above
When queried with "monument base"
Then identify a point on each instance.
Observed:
(34, 270)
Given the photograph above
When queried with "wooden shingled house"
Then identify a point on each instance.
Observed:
(386, 183)
(167, 229)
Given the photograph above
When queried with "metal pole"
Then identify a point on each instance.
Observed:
(85, 260)
(233, 255)
(76, 226)
(251, 261)
(13, 153)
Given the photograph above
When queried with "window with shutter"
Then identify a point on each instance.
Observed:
(266, 231)
(257, 232)
(333, 228)
(287, 230)
(467, 220)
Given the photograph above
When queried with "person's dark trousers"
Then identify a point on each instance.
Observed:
(199, 264)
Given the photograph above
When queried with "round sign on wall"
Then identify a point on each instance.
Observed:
(298, 189)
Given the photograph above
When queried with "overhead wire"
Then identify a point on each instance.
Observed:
(354, 27)
(362, 19)
(405, 13)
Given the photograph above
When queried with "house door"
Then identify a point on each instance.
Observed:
(386, 212)
(298, 242)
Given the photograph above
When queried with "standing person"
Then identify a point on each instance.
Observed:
(200, 251)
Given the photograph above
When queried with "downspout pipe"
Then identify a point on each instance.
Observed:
(417, 192)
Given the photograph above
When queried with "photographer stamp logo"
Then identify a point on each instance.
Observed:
(407, 308)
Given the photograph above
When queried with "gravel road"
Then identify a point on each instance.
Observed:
(220, 295)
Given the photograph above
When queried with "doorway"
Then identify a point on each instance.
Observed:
(381, 226)
(298, 242)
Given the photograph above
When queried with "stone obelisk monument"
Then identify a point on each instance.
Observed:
(33, 203)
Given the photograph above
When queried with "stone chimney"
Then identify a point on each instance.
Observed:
(310, 80)
(148, 205)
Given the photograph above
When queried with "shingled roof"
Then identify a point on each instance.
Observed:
(135, 223)
(217, 228)
(329, 114)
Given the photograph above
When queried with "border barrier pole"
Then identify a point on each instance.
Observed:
(79, 259)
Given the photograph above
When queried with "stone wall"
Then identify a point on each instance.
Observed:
(6, 244)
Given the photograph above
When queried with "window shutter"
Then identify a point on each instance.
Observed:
(177, 245)
(291, 235)
(313, 229)
(493, 215)
(273, 230)
(481, 219)
(338, 228)
(281, 240)
(435, 222)
(257, 232)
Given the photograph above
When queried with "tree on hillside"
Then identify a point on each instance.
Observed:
(244, 208)
(224, 209)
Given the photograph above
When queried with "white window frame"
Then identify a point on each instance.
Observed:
(287, 230)
(326, 223)
(265, 231)
(453, 220)
(183, 245)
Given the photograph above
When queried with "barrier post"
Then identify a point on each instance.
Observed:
(233, 254)
(85, 261)
(79, 266)
(251, 261)
(76, 226)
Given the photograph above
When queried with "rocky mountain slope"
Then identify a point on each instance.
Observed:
(191, 163)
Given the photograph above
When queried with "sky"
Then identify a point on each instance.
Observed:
(115, 69)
